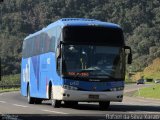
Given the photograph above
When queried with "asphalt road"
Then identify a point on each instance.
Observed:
(14, 103)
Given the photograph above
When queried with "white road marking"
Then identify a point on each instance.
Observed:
(41, 110)
(143, 112)
(19, 105)
(53, 111)
(2, 102)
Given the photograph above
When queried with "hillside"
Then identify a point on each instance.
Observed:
(140, 20)
(151, 72)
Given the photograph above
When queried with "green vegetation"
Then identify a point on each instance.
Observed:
(149, 92)
(150, 72)
(129, 81)
(140, 20)
(10, 79)
(9, 90)
(153, 70)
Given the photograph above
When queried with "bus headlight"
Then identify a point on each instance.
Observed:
(117, 89)
(68, 87)
(113, 89)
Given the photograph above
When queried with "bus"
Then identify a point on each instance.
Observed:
(75, 60)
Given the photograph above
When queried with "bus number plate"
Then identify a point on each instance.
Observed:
(93, 96)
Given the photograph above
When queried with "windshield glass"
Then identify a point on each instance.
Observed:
(92, 61)
(93, 34)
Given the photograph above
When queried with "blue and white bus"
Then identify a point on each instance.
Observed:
(75, 60)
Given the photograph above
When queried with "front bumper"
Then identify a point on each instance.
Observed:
(60, 93)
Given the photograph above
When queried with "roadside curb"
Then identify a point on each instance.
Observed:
(8, 91)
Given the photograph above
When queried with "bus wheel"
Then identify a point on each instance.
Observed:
(38, 101)
(104, 105)
(29, 98)
(71, 103)
(56, 103)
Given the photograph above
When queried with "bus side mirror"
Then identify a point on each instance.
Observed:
(58, 52)
(58, 56)
(129, 59)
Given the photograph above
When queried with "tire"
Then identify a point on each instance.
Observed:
(71, 103)
(104, 105)
(37, 101)
(55, 103)
(29, 98)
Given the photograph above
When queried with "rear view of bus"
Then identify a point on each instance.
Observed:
(90, 58)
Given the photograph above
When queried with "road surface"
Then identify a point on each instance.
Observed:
(14, 103)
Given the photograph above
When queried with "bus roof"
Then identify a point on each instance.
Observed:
(76, 22)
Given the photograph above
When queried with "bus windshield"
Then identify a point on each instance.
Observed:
(92, 61)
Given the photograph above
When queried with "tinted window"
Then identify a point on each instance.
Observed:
(47, 43)
(38, 45)
(94, 35)
(24, 48)
(52, 44)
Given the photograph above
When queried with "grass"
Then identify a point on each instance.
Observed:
(9, 80)
(150, 72)
(149, 92)
(149, 82)
(9, 90)
(128, 81)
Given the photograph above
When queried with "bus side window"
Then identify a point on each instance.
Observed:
(41, 44)
(28, 48)
(31, 47)
(34, 49)
(47, 42)
(36, 44)
(24, 49)
(52, 44)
